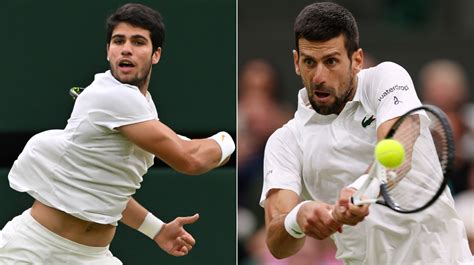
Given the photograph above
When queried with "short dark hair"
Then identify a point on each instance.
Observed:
(139, 15)
(325, 20)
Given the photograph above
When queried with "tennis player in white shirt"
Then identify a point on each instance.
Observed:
(82, 178)
(311, 163)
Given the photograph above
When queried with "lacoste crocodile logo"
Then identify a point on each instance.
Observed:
(366, 122)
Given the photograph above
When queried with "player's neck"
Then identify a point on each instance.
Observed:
(144, 87)
(352, 93)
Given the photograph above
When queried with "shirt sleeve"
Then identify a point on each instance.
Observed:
(393, 92)
(282, 164)
(119, 106)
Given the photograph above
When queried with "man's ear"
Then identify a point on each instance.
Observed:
(295, 60)
(107, 51)
(358, 60)
(156, 56)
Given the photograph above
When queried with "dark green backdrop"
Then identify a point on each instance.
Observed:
(49, 46)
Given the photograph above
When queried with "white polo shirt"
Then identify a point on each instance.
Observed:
(89, 169)
(317, 155)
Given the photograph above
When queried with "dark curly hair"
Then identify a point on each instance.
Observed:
(140, 16)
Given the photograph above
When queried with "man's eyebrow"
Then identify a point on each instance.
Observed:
(136, 36)
(332, 54)
(306, 55)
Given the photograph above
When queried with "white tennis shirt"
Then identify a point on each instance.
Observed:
(317, 155)
(89, 169)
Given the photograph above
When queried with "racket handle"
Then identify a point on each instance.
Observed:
(370, 188)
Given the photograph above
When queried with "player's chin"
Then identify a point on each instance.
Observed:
(323, 107)
(326, 109)
(127, 79)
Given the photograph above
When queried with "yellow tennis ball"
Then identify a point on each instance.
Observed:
(390, 153)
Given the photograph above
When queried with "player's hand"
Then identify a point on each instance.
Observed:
(347, 213)
(173, 239)
(316, 221)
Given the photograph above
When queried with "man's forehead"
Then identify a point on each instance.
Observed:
(334, 45)
(128, 30)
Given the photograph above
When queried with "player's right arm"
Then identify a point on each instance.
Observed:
(187, 156)
(277, 205)
(281, 191)
(171, 237)
(313, 217)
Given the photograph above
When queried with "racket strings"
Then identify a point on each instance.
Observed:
(406, 134)
(418, 180)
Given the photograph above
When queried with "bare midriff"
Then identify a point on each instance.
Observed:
(70, 227)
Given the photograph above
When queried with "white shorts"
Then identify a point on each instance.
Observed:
(25, 241)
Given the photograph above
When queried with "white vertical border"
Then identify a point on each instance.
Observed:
(236, 132)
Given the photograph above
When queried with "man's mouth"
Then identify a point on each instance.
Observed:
(126, 64)
(321, 94)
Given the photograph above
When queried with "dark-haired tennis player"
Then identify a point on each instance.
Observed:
(82, 177)
(312, 163)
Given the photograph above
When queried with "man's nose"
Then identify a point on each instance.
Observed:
(320, 74)
(127, 48)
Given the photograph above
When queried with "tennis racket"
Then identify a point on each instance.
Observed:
(420, 180)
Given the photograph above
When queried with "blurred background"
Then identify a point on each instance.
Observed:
(433, 40)
(50, 46)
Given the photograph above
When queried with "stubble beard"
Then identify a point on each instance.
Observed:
(139, 80)
(339, 102)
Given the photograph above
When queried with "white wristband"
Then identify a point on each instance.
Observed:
(225, 142)
(291, 225)
(151, 226)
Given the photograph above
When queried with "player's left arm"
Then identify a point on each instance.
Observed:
(171, 237)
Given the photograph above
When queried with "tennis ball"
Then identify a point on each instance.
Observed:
(390, 153)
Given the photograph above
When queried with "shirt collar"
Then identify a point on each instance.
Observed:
(109, 79)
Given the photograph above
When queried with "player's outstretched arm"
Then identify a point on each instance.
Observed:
(171, 237)
(187, 156)
(287, 226)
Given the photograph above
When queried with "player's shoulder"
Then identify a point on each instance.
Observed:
(285, 135)
(386, 69)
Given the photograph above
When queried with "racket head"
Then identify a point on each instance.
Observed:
(74, 92)
(427, 138)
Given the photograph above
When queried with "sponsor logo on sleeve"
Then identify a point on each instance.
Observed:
(392, 89)
(396, 101)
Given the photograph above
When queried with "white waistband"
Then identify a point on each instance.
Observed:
(37, 230)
